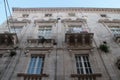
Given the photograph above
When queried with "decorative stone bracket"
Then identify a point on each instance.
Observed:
(32, 76)
(86, 76)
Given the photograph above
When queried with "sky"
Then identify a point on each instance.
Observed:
(57, 3)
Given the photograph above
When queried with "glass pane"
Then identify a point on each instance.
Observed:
(29, 69)
(78, 71)
(81, 64)
(81, 70)
(85, 64)
(38, 71)
(84, 58)
(32, 65)
(87, 71)
(90, 70)
(79, 59)
(39, 65)
(32, 71)
(77, 64)
(88, 64)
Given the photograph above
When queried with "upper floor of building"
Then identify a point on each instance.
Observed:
(59, 25)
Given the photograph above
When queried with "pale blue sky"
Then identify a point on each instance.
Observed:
(58, 3)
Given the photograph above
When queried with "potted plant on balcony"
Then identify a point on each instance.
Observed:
(43, 40)
(104, 47)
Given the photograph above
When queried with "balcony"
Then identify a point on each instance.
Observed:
(8, 40)
(32, 76)
(82, 40)
(86, 76)
(40, 43)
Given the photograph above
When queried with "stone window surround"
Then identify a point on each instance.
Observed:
(45, 30)
(36, 64)
(83, 64)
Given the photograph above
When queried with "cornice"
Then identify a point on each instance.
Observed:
(59, 9)
(77, 20)
(45, 21)
(17, 21)
(109, 21)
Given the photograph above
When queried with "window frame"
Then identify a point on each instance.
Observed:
(16, 29)
(114, 29)
(45, 31)
(35, 66)
(73, 28)
(83, 65)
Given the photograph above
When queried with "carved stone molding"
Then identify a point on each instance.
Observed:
(67, 9)
(17, 21)
(77, 20)
(109, 21)
(45, 21)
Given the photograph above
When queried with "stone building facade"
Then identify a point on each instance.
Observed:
(60, 44)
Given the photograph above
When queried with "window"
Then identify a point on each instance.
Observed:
(75, 29)
(16, 29)
(71, 14)
(45, 31)
(115, 29)
(103, 15)
(25, 15)
(48, 15)
(83, 64)
(36, 65)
